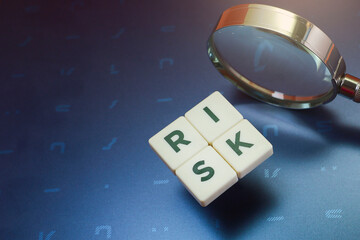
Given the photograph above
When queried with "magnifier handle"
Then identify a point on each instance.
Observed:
(350, 87)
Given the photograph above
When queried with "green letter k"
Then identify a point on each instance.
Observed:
(236, 146)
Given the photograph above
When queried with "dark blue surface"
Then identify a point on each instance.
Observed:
(85, 84)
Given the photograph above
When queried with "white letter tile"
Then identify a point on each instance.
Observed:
(206, 176)
(177, 142)
(243, 147)
(213, 116)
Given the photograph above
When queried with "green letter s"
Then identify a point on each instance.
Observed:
(198, 171)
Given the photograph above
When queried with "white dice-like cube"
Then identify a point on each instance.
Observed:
(213, 116)
(177, 142)
(206, 176)
(243, 147)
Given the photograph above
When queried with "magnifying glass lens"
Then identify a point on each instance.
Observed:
(277, 65)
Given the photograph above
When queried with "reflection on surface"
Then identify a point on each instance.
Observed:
(272, 62)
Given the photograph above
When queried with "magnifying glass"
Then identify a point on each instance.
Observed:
(279, 57)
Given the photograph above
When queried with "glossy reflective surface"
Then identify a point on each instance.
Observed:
(76, 115)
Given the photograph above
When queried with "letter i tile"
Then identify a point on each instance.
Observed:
(213, 116)
(206, 176)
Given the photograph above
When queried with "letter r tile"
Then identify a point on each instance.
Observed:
(213, 116)
(243, 147)
(177, 142)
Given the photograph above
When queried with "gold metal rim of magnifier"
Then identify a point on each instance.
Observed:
(292, 27)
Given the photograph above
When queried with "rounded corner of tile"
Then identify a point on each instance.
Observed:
(217, 92)
(151, 140)
(203, 203)
(181, 117)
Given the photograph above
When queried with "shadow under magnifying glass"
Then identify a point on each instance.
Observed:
(329, 125)
(307, 132)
